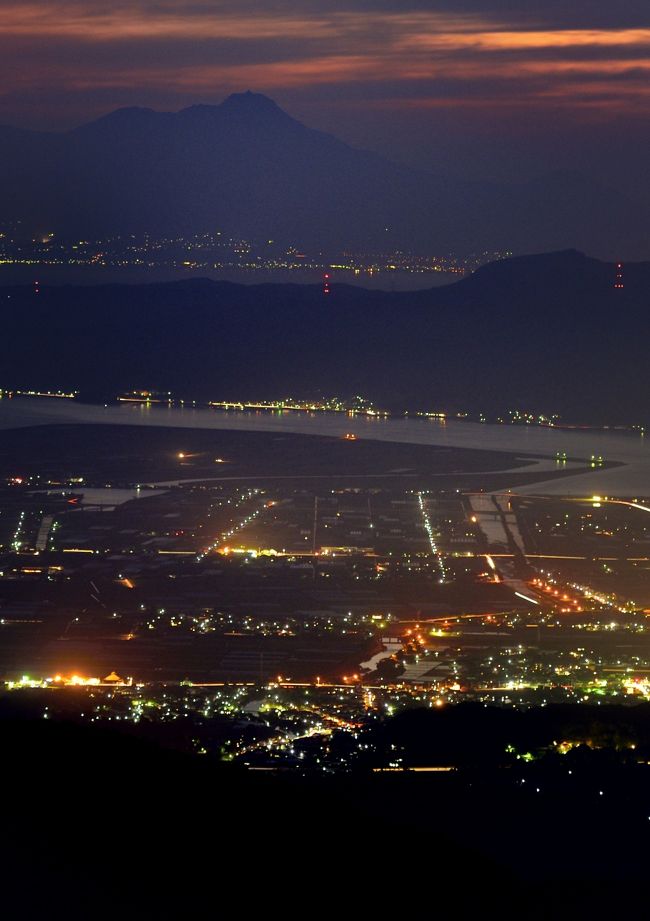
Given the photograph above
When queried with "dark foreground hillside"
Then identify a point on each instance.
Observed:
(103, 824)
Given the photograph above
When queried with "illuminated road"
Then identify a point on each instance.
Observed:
(608, 501)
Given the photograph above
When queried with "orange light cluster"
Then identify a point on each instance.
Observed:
(76, 680)
(557, 596)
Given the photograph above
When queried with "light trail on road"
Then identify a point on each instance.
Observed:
(432, 539)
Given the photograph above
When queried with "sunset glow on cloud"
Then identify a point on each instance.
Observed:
(170, 51)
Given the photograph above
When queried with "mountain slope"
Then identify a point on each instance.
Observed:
(249, 169)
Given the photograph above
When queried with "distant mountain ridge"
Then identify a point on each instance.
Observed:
(248, 168)
(548, 333)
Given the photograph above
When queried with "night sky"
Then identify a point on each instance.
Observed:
(476, 88)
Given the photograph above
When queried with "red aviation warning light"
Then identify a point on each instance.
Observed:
(326, 283)
(618, 281)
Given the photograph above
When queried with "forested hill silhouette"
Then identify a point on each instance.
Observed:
(548, 332)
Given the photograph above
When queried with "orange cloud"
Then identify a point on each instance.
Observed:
(190, 50)
(123, 24)
(526, 40)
